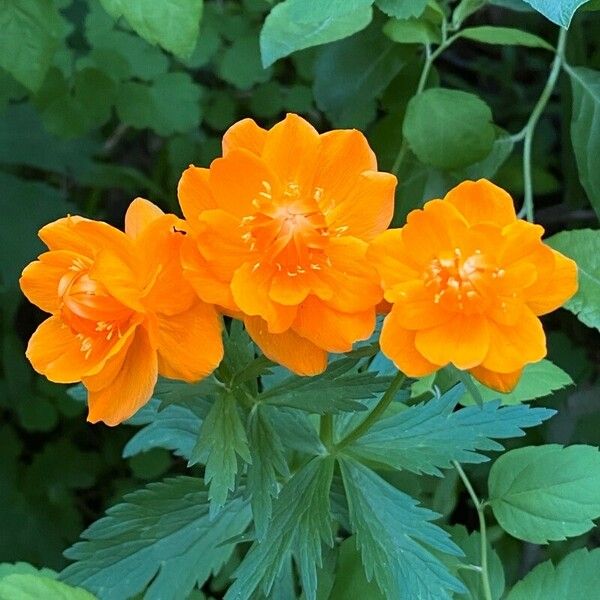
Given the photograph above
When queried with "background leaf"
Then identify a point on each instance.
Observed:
(505, 36)
(558, 11)
(33, 587)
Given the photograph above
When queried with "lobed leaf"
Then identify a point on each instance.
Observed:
(28, 586)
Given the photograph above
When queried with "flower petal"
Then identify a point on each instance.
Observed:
(482, 202)
(194, 193)
(501, 382)
(131, 388)
(244, 134)
(62, 235)
(288, 349)
(398, 344)
(189, 344)
(463, 341)
(139, 215)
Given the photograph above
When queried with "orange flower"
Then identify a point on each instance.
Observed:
(467, 281)
(121, 310)
(280, 228)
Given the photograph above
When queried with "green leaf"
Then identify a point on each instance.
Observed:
(585, 129)
(160, 537)
(541, 493)
(402, 9)
(576, 577)
(558, 11)
(464, 10)
(170, 104)
(295, 24)
(301, 521)
(22, 568)
(268, 461)
(295, 429)
(412, 31)
(222, 439)
(448, 129)
(429, 436)
(35, 587)
(392, 532)
(240, 64)
(173, 24)
(340, 388)
(488, 167)
(30, 32)
(583, 246)
(506, 36)
(538, 380)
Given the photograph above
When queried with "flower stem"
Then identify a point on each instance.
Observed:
(485, 578)
(326, 430)
(473, 390)
(374, 415)
(529, 129)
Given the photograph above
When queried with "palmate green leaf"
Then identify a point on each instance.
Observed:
(448, 129)
(392, 532)
(340, 388)
(296, 24)
(428, 436)
(576, 577)
(402, 9)
(221, 441)
(301, 522)
(296, 430)
(585, 129)
(542, 493)
(30, 32)
(583, 246)
(240, 63)
(506, 36)
(173, 24)
(558, 11)
(538, 380)
(35, 586)
(268, 461)
(160, 538)
(23, 568)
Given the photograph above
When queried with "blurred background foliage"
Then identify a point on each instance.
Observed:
(93, 115)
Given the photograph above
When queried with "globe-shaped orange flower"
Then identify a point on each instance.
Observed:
(121, 310)
(467, 281)
(280, 227)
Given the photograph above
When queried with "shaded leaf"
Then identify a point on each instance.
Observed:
(506, 36)
(402, 9)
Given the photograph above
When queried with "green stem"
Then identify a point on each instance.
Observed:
(473, 390)
(374, 415)
(326, 430)
(485, 578)
(529, 129)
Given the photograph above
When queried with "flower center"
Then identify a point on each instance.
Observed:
(289, 232)
(95, 316)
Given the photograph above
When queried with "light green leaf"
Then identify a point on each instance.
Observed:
(221, 440)
(542, 493)
(576, 577)
(428, 436)
(173, 24)
(585, 129)
(464, 10)
(392, 532)
(23, 568)
(340, 388)
(160, 537)
(538, 380)
(35, 587)
(558, 11)
(583, 246)
(170, 104)
(30, 32)
(448, 129)
(506, 36)
(301, 522)
(402, 9)
(295, 24)
(412, 31)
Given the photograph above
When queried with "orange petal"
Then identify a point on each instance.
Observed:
(463, 341)
(289, 289)
(194, 193)
(512, 347)
(246, 135)
(111, 367)
(238, 180)
(40, 279)
(288, 349)
(482, 202)
(189, 344)
(131, 388)
(501, 382)
(139, 215)
(332, 330)
(62, 235)
(250, 288)
(398, 344)
(550, 293)
(291, 150)
(367, 208)
(521, 240)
